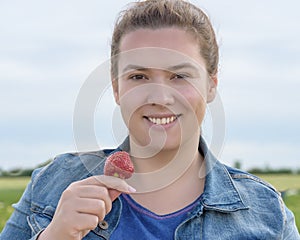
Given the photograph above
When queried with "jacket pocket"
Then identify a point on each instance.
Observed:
(40, 217)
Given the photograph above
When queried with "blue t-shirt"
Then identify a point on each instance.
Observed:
(137, 222)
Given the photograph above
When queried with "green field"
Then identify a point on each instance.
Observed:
(290, 184)
(283, 182)
(11, 190)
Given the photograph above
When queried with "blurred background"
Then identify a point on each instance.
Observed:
(49, 48)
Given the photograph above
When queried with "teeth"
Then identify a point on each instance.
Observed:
(162, 121)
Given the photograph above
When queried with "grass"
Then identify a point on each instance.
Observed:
(11, 190)
(293, 203)
(283, 182)
(286, 182)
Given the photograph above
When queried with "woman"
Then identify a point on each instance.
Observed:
(164, 69)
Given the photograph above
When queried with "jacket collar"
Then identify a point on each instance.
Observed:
(220, 193)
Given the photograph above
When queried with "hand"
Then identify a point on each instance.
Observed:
(83, 205)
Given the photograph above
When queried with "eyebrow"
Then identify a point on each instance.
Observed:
(133, 67)
(183, 66)
(171, 68)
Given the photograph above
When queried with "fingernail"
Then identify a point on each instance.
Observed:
(131, 189)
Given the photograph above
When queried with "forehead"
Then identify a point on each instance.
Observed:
(159, 48)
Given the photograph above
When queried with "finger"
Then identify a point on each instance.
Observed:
(96, 192)
(114, 194)
(93, 207)
(110, 182)
(91, 191)
(85, 221)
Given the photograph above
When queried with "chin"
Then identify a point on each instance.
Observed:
(168, 145)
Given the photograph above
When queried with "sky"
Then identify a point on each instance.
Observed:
(48, 49)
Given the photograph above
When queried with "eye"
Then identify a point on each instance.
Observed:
(137, 77)
(179, 76)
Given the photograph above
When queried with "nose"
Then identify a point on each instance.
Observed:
(160, 94)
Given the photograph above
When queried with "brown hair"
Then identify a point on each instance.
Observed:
(153, 14)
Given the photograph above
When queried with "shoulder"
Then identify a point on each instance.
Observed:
(73, 163)
(50, 181)
(246, 180)
(257, 193)
(262, 198)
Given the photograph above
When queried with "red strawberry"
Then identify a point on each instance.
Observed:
(119, 165)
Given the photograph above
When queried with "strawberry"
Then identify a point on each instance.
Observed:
(119, 165)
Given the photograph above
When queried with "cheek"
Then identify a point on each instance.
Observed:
(196, 104)
(130, 100)
(194, 97)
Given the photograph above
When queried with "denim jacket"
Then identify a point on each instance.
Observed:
(234, 204)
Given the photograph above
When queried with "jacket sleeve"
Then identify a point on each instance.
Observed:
(17, 226)
(290, 230)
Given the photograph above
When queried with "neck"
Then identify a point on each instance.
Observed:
(183, 185)
(163, 168)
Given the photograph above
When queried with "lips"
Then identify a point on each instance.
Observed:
(162, 120)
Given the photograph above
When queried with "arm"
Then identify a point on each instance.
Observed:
(17, 226)
(290, 230)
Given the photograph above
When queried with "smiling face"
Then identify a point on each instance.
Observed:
(162, 87)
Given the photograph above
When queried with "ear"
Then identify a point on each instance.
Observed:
(212, 88)
(115, 87)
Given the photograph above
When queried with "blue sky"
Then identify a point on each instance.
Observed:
(49, 48)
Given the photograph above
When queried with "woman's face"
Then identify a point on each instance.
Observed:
(162, 87)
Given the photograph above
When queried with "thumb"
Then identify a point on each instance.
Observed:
(114, 194)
